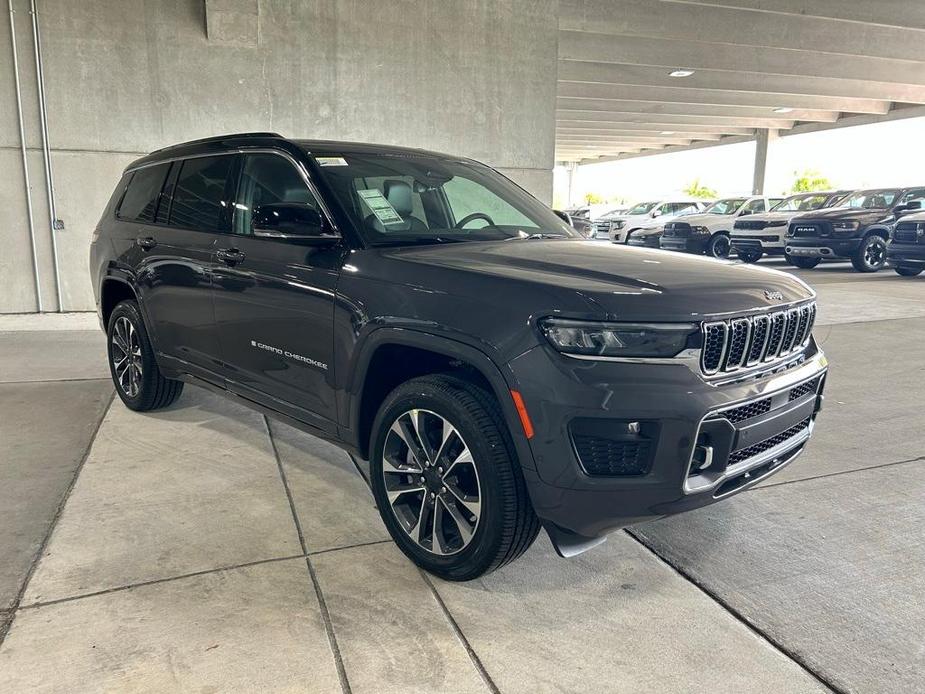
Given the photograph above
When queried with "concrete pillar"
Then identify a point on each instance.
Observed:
(764, 143)
(570, 168)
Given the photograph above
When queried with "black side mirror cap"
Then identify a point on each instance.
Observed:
(291, 220)
(564, 216)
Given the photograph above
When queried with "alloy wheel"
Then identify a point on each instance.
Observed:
(721, 247)
(875, 253)
(431, 482)
(126, 356)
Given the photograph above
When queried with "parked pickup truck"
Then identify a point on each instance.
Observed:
(765, 234)
(709, 232)
(644, 212)
(650, 233)
(906, 251)
(857, 229)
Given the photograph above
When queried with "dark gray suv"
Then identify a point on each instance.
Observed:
(498, 373)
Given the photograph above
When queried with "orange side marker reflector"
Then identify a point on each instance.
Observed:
(522, 411)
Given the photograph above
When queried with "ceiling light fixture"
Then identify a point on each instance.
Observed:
(680, 73)
(783, 109)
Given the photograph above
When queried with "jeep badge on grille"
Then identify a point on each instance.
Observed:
(772, 295)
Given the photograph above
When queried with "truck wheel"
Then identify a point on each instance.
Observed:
(750, 256)
(446, 480)
(909, 271)
(719, 246)
(134, 370)
(805, 263)
(871, 255)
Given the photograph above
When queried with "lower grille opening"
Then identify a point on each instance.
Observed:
(768, 444)
(612, 448)
(755, 473)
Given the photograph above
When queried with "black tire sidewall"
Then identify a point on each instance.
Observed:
(484, 546)
(803, 263)
(859, 261)
(714, 242)
(150, 373)
(903, 271)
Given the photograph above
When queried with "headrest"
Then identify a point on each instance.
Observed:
(398, 193)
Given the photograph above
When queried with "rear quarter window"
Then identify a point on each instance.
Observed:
(139, 204)
(199, 194)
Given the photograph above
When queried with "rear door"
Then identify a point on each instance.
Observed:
(174, 272)
(274, 299)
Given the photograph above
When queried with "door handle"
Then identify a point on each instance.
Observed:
(231, 256)
(146, 242)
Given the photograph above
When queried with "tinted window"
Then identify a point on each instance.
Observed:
(909, 196)
(139, 204)
(755, 206)
(199, 193)
(267, 179)
(678, 208)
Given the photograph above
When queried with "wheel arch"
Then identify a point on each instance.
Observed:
(412, 353)
(114, 290)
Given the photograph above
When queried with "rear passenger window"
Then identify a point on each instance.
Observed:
(139, 204)
(199, 194)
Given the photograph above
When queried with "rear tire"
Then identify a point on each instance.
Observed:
(909, 271)
(134, 370)
(719, 246)
(750, 256)
(805, 263)
(483, 518)
(871, 255)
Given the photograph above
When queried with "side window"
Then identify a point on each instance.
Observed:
(754, 206)
(917, 194)
(467, 197)
(139, 204)
(199, 194)
(265, 180)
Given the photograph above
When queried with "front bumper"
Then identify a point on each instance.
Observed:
(678, 413)
(688, 244)
(766, 243)
(822, 247)
(646, 241)
(905, 254)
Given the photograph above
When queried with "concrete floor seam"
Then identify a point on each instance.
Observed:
(457, 630)
(8, 624)
(742, 619)
(322, 605)
(919, 459)
(55, 380)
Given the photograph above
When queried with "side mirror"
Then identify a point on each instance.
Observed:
(911, 206)
(656, 213)
(291, 220)
(564, 216)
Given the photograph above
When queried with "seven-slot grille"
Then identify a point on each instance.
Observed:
(909, 232)
(742, 343)
(751, 224)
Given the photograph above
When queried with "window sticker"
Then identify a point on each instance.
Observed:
(380, 207)
(331, 161)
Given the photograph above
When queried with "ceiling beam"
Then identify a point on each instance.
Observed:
(714, 52)
(749, 27)
(738, 139)
(670, 120)
(579, 126)
(613, 106)
(715, 97)
(613, 73)
(630, 136)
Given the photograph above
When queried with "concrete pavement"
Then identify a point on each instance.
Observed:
(202, 547)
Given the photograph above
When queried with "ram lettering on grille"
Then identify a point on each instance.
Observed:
(745, 342)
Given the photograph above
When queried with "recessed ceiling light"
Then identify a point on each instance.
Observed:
(783, 109)
(668, 132)
(680, 73)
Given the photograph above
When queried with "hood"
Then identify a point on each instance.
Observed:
(703, 219)
(845, 213)
(612, 282)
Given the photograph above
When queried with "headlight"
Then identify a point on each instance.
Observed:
(617, 224)
(844, 227)
(778, 223)
(617, 339)
(700, 230)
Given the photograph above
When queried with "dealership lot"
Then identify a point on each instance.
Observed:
(202, 545)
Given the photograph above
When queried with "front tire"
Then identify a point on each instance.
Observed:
(801, 262)
(134, 370)
(750, 256)
(446, 480)
(719, 246)
(909, 271)
(871, 255)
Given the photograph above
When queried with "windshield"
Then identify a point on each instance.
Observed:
(801, 203)
(870, 199)
(727, 206)
(612, 213)
(404, 198)
(640, 208)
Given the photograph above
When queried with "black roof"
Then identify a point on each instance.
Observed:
(220, 143)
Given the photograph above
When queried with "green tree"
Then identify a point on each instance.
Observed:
(809, 181)
(593, 199)
(695, 190)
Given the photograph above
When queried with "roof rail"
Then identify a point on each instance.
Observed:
(217, 138)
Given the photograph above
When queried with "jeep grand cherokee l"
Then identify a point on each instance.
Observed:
(857, 229)
(764, 234)
(905, 252)
(497, 372)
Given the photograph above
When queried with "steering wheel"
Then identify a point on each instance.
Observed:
(472, 217)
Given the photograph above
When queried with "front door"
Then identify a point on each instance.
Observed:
(274, 301)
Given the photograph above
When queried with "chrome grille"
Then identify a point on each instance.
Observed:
(909, 232)
(750, 224)
(740, 343)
